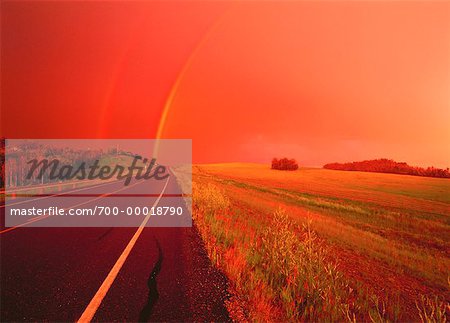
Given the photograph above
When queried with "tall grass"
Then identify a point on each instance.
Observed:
(283, 271)
(294, 264)
(406, 242)
(432, 310)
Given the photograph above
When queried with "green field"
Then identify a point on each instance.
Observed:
(322, 244)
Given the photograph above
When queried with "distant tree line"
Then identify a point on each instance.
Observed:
(284, 164)
(389, 166)
(17, 167)
(14, 167)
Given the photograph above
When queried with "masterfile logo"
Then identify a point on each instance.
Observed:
(96, 171)
(98, 182)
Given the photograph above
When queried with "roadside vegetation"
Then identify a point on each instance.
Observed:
(294, 255)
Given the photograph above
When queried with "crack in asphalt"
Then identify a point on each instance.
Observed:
(153, 294)
(105, 234)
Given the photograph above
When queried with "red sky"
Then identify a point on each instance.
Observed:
(318, 81)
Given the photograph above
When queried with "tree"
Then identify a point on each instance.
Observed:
(284, 164)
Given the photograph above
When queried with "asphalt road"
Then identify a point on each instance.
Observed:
(64, 274)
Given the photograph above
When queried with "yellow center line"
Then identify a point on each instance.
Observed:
(41, 217)
(94, 304)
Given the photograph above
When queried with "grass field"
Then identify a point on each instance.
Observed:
(317, 244)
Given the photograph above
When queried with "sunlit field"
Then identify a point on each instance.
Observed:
(322, 244)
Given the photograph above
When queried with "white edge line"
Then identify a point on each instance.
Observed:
(58, 194)
(42, 217)
(95, 302)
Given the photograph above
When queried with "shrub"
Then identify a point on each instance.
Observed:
(284, 164)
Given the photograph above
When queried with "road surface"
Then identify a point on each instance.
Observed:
(59, 274)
